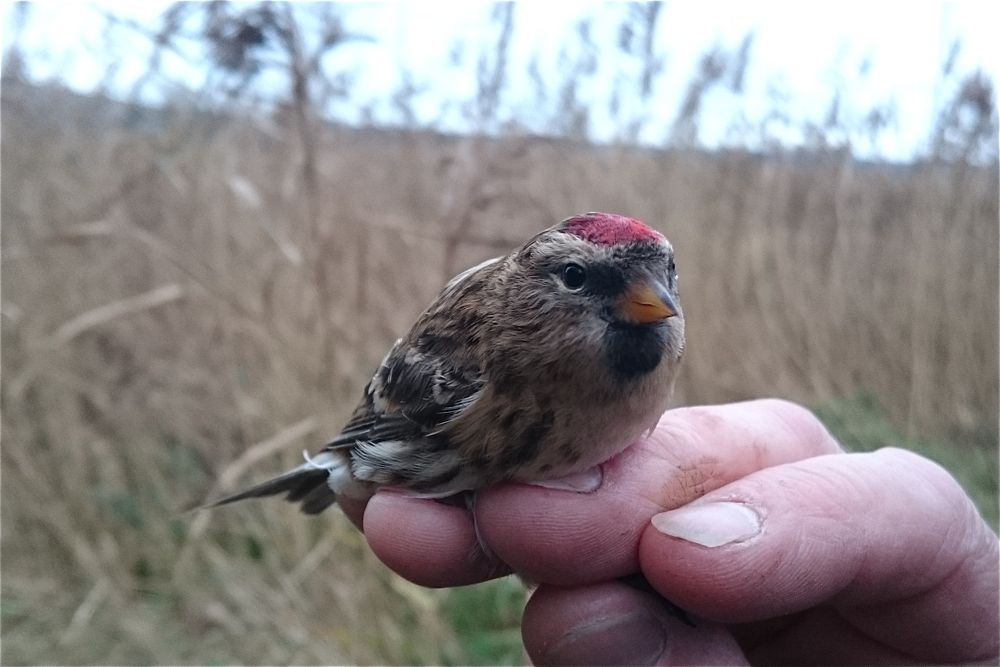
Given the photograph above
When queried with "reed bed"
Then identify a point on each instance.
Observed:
(187, 307)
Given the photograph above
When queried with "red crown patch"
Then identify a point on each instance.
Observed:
(609, 229)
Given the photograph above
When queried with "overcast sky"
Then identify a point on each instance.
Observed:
(802, 52)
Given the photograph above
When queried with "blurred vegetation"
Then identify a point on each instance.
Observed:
(861, 425)
(199, 291)
(487, 621)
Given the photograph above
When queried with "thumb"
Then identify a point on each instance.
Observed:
(888, 540)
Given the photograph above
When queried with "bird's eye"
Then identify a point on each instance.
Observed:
(573, 276)
(670, 267)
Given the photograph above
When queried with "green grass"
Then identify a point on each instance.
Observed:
(861, 425)
(487, 621)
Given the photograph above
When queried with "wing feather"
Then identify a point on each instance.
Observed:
(425, 382)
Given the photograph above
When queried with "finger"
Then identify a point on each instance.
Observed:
(888, 539)
(353, 508)
(570, 538)
(819, 636)
(613, 624)
(427, 542)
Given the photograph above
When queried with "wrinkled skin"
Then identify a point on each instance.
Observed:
(859, 558)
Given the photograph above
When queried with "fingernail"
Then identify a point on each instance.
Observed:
(710, 524)
(588, 481)
(635, 638)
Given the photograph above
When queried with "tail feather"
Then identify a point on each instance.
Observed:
(305, 484)
(317, 500)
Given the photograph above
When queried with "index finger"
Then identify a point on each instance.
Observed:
(567, 538)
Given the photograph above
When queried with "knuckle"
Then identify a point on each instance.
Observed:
(804, 423)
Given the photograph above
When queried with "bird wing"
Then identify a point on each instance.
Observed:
(425, 382)
(413, 395)
(427, 379)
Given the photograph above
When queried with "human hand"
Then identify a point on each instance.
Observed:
(821, 556)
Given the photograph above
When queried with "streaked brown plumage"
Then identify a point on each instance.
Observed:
(531, 366)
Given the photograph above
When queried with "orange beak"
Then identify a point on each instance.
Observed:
(647, 303)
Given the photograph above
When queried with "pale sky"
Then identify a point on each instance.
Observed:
(801, 51)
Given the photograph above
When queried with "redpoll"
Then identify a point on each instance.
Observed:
(528, 367)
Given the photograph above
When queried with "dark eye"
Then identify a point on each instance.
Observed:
(670, 266)
(573, 276)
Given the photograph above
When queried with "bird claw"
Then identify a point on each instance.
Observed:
(587, 481)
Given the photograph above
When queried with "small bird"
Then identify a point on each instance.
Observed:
(528, 367)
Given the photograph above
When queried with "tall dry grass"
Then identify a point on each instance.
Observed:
(181, 305)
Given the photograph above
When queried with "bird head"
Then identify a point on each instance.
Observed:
(602, 284)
